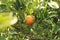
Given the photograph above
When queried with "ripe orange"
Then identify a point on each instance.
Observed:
(29, 19)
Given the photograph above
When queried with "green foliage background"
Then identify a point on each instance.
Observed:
(45, 27)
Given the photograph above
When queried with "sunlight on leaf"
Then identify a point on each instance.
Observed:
(13, 20)
(53, 5)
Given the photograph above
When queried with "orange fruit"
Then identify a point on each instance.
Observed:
(30, 19)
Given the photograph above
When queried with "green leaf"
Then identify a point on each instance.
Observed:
(7, 19)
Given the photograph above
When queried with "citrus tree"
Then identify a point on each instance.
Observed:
(29, 20)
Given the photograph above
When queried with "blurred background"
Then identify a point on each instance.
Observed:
(29, 19)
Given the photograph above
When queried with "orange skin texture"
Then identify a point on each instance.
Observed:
(30, 19)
